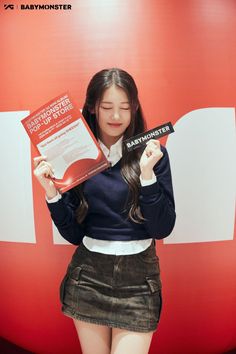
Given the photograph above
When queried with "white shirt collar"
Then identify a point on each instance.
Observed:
(113, 154)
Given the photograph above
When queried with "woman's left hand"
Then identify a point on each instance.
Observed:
(151, 155)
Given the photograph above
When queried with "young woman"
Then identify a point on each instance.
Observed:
(112, 287)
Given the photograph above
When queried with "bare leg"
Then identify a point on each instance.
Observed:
(124, 341)
(93, 338)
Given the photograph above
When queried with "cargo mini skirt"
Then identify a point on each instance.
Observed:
(122, 291)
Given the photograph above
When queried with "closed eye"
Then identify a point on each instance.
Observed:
(123, 108)
(106, 107)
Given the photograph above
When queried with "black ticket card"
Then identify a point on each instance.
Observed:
(141, 139)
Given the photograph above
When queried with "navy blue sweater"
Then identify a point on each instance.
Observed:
(106, 194)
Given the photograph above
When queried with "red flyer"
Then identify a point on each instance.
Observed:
(59, 131)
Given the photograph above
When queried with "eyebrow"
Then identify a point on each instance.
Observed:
(112, 102)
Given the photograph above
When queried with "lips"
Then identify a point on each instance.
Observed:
(114, 125)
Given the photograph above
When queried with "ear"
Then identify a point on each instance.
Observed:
(91, 110)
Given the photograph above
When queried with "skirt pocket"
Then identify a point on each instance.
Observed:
(155, 298)
(68, 293)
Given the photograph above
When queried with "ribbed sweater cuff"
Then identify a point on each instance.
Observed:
(56, 207)
(151, 189)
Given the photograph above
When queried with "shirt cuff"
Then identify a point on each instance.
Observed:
(148, 182)
(54, 199)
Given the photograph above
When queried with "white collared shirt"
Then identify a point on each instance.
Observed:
(113, 155)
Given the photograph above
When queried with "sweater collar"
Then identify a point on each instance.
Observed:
(113, 154)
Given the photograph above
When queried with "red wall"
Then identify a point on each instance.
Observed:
(182, 55)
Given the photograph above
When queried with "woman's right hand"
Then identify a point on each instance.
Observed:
(43, 172)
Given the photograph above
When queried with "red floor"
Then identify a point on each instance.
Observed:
(10, 348)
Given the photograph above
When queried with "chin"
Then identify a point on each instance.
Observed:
(115, 134)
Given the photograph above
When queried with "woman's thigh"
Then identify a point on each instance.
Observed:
(93, 338)
(124, 341)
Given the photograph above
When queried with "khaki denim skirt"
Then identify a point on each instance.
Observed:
(115, 291)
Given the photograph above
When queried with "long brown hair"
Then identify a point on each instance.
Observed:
(130, 169)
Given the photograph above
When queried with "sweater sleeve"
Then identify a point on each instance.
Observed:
(63, 215)
(157, 201)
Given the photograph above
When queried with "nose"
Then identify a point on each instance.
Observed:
(116, 115)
